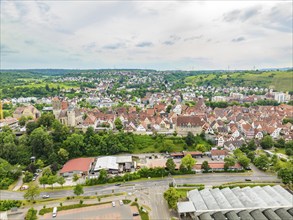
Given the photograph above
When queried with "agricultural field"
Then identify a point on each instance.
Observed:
(277, 80)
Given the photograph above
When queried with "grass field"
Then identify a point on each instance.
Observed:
(148, 144)
(278, 80)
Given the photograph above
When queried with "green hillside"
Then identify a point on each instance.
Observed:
(278, 80)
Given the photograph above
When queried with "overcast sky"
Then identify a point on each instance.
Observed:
(146, 34)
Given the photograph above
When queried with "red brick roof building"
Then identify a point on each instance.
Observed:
(80, 166)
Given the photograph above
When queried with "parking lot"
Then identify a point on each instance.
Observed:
(100, 212)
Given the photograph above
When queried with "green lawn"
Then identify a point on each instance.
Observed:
(148, 144)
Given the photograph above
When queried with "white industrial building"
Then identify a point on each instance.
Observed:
(254, 202)
(114, 164)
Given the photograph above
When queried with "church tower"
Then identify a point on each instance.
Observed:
(56, 103)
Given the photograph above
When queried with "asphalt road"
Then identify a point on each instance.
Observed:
(207, 179)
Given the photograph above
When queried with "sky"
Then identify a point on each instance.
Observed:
(162, 35)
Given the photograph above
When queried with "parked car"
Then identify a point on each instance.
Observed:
(118, 184)
(247, 179)
(113, 204)
(45, 196)
(135, 214)
(34, 178)
(54, 214)
(121, 202)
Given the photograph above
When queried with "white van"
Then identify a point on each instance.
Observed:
(54, 214)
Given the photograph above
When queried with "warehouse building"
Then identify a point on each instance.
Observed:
(238, 203)
(114, 164)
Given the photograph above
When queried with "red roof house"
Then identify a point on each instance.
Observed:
(78, 165)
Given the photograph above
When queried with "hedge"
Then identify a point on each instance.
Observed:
(243, 185)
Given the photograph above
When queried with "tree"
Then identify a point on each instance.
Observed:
(75, 177)
(78, 190)
(22, 121)
(32, 192)
(46, 120)
(262, 162)
(286, 174)
(61, 180)
(118, 124)
(251, 155)
(40, 164)
(190, 139)
(244, 161)
(31, 214)
(102, 176)
(188, 162)
(251, 145)
(289, 148)
(169, 107)
(52, 179)
(63, 155)
(41, 143)
(31, 126)
(43, 180)
(280, 143)
(172, 196)
(205, 166)
(267, 142)
(74, 144)
(229, 162)
(238, 152)
(170, 165)
(201, 148)
(28, 176)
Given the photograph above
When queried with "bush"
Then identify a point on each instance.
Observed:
(8, 204)
(81, 202)
(126, 201)
(31, 214)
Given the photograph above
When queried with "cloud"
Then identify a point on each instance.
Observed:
(241, 15)
(145, 34)
(169, 42)
(90, 47)
(114, 46)
(280, 18)
(193, 38)
(238, 39)
(6, 50)
(172, 40)
(144, 44)
(29, 42)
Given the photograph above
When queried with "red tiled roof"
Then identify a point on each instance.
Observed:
(217, 165)
(192, 153)
(218, 152)
(193, 121)
(77, 164)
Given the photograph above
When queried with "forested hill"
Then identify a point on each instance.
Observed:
(277, 80)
